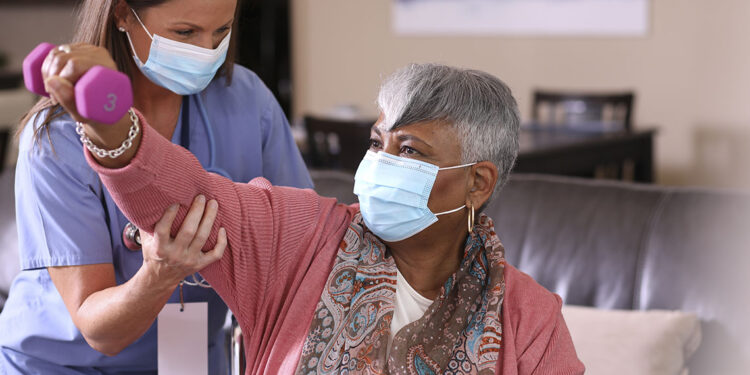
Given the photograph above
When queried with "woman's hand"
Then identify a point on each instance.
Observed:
(171, 259)
(61, 70)
(65, 65)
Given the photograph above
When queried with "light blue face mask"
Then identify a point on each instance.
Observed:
(393, 194)
(182, 68)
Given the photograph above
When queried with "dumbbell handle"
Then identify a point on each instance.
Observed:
(102, 95)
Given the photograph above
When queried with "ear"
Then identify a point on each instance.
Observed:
(123, 16)
(481, 183)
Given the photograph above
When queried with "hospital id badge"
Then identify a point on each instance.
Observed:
(183, 339)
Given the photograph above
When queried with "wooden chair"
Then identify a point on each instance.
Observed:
(336, 144)
(584, 110)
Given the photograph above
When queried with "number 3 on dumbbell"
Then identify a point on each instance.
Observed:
(102, 95)
(109, 107)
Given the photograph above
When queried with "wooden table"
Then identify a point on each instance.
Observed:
(581, 153)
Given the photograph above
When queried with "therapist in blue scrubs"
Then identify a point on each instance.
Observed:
(81, 286)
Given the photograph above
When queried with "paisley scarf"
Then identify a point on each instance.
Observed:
(460, 333)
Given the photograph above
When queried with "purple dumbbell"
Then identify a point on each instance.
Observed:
(102, 95)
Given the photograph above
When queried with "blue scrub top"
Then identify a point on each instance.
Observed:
(66, 217)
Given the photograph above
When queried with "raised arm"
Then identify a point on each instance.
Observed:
(273, 232)
(269, 228)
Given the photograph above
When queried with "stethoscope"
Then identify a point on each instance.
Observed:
(131, 236)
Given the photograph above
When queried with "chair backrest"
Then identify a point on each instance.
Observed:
(581, 108)
(335, 143)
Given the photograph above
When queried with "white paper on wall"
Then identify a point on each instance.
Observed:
(521, 17)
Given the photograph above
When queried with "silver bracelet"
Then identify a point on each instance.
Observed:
(114, 154)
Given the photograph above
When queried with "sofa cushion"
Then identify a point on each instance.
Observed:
(626, 342)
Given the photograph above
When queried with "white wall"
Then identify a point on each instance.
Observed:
(691, 74)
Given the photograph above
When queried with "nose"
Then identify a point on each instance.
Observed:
(391, 148)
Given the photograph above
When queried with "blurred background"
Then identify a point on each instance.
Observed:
(687, 69)
(646, 91)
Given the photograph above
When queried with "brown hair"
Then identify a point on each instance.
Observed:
(97, 26)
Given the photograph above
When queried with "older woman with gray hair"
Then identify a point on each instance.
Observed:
(412, 280)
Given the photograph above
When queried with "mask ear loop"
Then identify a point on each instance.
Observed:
(141, 22)
(471, 219)
(457, 166)
(132, 47)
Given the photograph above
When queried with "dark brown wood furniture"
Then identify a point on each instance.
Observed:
(584, 110)
(622, 155)
(336, 143)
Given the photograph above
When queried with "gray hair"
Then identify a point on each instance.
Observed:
(478, 105)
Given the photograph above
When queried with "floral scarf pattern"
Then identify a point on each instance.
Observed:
(460, 333)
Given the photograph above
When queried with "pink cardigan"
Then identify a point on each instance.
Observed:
(282, 246)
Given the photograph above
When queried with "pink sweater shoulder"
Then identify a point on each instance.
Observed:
(282, 242)
(536, 338)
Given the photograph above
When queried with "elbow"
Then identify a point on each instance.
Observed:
(110, 349)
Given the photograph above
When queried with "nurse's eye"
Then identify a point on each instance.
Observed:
(186, 32)
(375, 144)
(222, 30)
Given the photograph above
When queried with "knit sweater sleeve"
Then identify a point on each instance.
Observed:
(274, 233)
(536, 339)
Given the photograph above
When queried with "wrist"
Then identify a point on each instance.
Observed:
(109, 136)
(112, 146)
(151, 277)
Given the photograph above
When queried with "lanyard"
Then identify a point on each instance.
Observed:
(185, 131)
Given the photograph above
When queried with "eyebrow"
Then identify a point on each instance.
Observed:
(194, 26)
(404, 137)
(409, 137)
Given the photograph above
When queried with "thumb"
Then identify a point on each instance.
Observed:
(63, 92)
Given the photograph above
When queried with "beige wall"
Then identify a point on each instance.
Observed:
(23, 27)
(691, 74)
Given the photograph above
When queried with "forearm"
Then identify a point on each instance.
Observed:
(113, 318)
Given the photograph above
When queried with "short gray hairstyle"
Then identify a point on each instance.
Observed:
(478, 105)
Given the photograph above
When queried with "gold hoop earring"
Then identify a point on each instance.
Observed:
(471, 218)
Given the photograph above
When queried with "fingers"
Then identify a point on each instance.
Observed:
(65, 65)
(163, 228)
(218, 251)
(206, 224)
(53, 63)
(75, 67)
(190, 225)
(62, 92)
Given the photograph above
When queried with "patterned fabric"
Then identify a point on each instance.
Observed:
(460, 333)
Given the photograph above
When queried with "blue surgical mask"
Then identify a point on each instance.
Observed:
(182, 68)
(393, 194)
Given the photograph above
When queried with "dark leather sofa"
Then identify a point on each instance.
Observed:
(614, 245)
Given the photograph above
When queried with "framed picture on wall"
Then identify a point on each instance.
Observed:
(617, 18)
